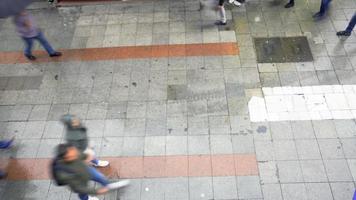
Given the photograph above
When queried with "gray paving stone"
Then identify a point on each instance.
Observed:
(12, 189)
(33, 130)
(331, 148)
(264, 150)
(342, 190)
(302, 130)
(198, 125)
(308, 78)
(285, 150)
(133, 146)
(272, 192)
(57, 111)
(27, 148)
(176, 188)
(114, 127)
(58, 193)
(112, 146)
(249, 187)
(97, 111)
(156, 127)
(224, 188)
(15, 83)
(117, 111)
(221, 144)
(177, 125)
(337, 170)
(318, 191)
(219, 125)
(324, 129)
(135, 127)
(294, 191)
(155, 146)
(289, 78)
(268, 172)
(313, 171)
(289, 172)
(53, 129)
(46, 148)
(281, 130)
(200, 187)
(307, 149)
(19, 113)
(198, 145)
(79, 110)
(152, 189)
(243, 144)
(345, 128)
(176, 145)
(32, 82)
(132, 192)
(349, 148)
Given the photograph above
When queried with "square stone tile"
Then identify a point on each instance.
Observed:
(27, 148)
(272, 192)
(117, 111)
(156, 127)
(285, 150)
(294, 191)
(198, 145)
(200, 187)
(349, 148)
(152, 189)
(302, 129)
(133, 146)
(219, 125)
(33, 130)
(177, 125)
(313, 171)
(345, 128)
(112, 146)
(249, 187)
(319, 191)
(307, 149)
(47, 148)
(57, 111)
(268, 172)
(176, 145)
(281, 130)
(135, 127)
(224, 188)
(39, 112)
(176, 188)
(337, 170)
(264, 150)
(95, 128)
(79, 110)
(342, 190)
(198, 125)
(155, 146)
(331, 148)
(289, 171)
(97, 111)
(136, 110)
(243, 144)
(324, 129)
(114, 127)
(221, 144)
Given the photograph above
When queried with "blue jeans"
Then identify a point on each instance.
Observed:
(324, 6)
(4, 144)
(352, 23)
(97, 177)
(43, 41)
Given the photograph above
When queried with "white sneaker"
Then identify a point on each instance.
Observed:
(236, 3)
(119, 184)
(102, 163)
(93, 198)
(231, 1)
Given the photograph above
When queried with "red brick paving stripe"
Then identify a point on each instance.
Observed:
(149, 167)
(129, 52)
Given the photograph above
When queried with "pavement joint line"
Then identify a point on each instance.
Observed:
(127, 52)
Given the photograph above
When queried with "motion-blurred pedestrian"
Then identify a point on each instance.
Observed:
(349, 28)
(70, 168)
(5, 144)
(323, 8)
(222, 13)
(76, 135)
(289, 4)
(29, 32)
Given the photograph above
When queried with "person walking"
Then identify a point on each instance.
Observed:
(29, 32)
(222, 13)
(5, 144)
(69, 168)
(289, 4)
(76, 135)
(349, 28)
(323, 8)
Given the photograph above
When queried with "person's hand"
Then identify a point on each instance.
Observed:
(102, 190)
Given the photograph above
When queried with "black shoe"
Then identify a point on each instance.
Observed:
(3, 175)
(289, 5)
(343, 33)
(30, 57)
(56, 54)
(318, 14)
(220, 23)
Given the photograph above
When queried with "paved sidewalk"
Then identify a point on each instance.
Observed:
(181, 118)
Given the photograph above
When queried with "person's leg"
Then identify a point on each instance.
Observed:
(4, 144)
(28, 46)
(41, 38)
(324, 6)
(351, 25)
(97, 176)
(289, 4)
(83, 196)
(222, 14)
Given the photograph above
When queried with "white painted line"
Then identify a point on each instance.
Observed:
(304, 103)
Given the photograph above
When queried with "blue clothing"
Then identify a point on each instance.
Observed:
(41, 38)
(324, 6)
(352, 23)
(4, 144)
(25, 25)
(97, 177)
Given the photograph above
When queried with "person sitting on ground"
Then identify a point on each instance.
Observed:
(5, 144)
(70, 168)
(76, 135)
(349, 28)
(29, 32)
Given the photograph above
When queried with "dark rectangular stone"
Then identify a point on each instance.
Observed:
(15, 83)
(32, 82)
(296, 49)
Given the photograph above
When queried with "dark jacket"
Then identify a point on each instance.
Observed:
(76, 175)
(77, 137)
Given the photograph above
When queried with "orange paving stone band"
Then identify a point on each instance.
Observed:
(149, 167)
(130, 52)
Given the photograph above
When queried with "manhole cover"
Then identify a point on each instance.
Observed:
(283, 49)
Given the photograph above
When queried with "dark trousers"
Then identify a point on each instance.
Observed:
(324, 6)
(43, 41)
(352, 23)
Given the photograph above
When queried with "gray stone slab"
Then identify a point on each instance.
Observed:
(324, 129)
(39, 112)
(46, 148)
(32, 82)
(176, 188)
(307, 149)
(155, 146)
(294, 191)
(264, 150)
(135, 127)
(117, 111)
(249, 187)
(337, 170)
(349, 148)
(345, 128)
(281, 130)
(331, 148)
(198, 145)
(289, 78)
(272, 192)
(200, 187)
(302, 130)
(289, 172)
(313, 171)
(15, 83)
(319, 191)
(112, 146)
(225, 188)
(270, 79)
(133, 146)
(342, 190)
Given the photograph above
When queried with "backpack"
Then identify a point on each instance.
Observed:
(55, 168)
